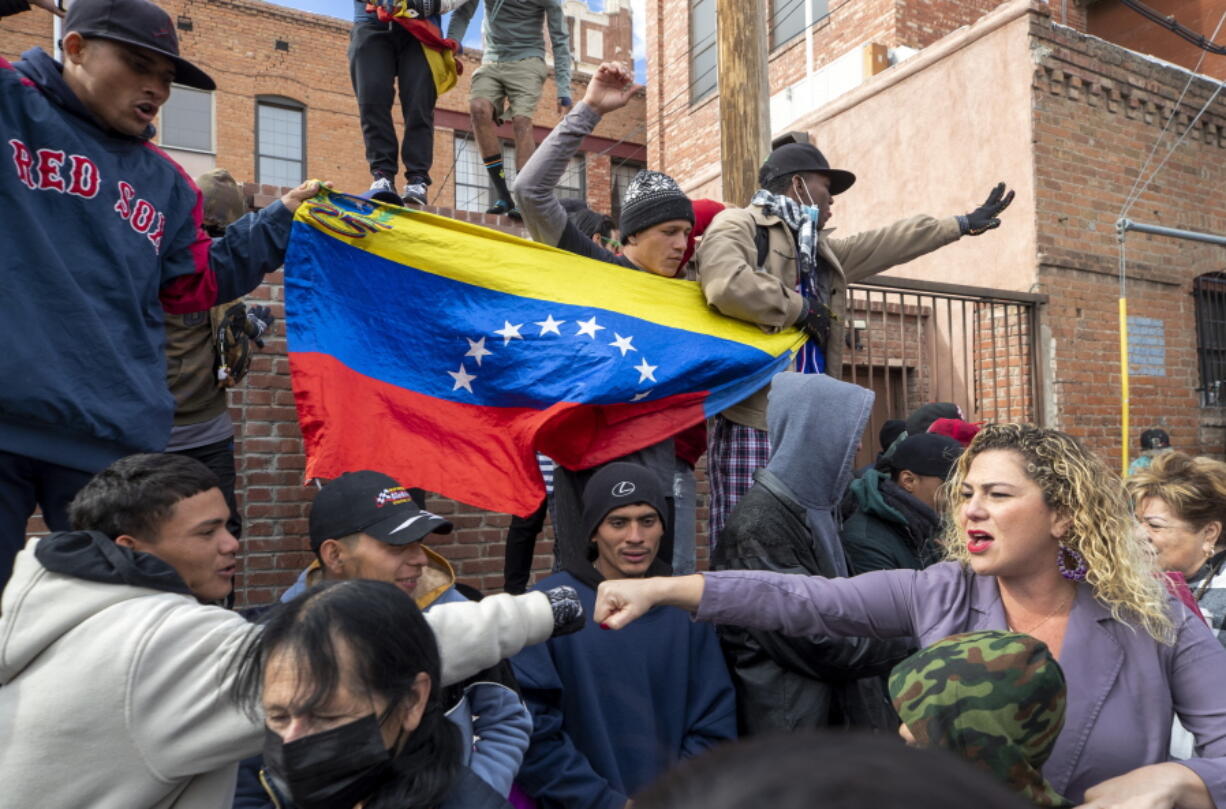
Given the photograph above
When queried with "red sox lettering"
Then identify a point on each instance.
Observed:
(54, 170)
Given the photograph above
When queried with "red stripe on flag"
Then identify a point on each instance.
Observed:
(479, 455)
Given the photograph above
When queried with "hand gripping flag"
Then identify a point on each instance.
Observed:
(445, 354)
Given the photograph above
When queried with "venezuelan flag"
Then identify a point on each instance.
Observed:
(445, 354)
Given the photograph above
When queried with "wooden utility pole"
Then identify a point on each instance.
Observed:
(744, 96)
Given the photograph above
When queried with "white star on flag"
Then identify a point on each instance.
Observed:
(638, 397)
(509, 332)
(646, 371)
(550, 326)
(463, 379)
(622, 343)
(588, 327)
(477, 350)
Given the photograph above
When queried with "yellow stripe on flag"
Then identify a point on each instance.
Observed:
(495, 260)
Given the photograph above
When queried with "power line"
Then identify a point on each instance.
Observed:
(1137, 187)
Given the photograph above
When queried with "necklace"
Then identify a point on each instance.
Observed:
(1050, 615)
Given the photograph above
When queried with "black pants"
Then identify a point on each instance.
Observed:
(379, 55)
(26, 483)
(521, 544)
(219, 457)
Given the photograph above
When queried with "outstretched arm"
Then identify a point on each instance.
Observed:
(610, 89)
(474, 635)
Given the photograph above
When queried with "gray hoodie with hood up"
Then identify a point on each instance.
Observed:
(786, 523)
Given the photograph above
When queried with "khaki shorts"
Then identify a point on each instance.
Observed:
(510, 85)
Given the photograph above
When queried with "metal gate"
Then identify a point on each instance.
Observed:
(914, 342)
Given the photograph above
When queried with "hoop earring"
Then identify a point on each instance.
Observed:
(1079, 568)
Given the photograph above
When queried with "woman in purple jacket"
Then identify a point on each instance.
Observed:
(1040, 542)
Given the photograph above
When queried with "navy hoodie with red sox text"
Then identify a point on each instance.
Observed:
(100, 236)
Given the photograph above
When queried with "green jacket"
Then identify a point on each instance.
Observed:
(516, 33)
(889, 529)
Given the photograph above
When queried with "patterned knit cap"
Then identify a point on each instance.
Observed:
(994, 698)
(650, 199)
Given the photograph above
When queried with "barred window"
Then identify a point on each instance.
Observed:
(1209, 294)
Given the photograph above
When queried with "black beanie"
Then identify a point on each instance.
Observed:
(620, 484)
(652, 198)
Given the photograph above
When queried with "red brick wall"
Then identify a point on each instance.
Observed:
(1097, 113)
(234, 41)
(682, 138)
(1115, 22)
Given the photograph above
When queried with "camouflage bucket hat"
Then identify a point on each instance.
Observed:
(996, 699)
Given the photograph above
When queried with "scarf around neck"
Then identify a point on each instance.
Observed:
(814, 285)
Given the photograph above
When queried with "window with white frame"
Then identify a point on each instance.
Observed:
(704, 76)
(474, 190)
(280, 128)
(186, 120)
(787, 18)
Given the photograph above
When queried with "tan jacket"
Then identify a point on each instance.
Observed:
(734, 286)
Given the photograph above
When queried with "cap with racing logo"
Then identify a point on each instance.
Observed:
(372, 503)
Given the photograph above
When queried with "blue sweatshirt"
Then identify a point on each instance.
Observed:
(613, 710)
(101, 235)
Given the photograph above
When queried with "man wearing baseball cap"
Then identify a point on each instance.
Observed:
(110, 240)
(896, 516)
(365, 525)
(611, 711)
(773, 265)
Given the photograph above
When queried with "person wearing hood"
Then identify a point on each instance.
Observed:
(894, 520)
(365, 525)
(109, 240)
(612, 711)
(114, 659)
(995, 699)
(786, 523)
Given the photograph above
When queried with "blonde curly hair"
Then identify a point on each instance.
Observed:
(1076, 484)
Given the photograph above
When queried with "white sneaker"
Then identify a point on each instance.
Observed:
(415, 193)
(383, 184)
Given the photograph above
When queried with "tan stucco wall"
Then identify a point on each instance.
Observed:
(936, 141)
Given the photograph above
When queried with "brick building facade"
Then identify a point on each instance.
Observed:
(930, 114)
(291, 67)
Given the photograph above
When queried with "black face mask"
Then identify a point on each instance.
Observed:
(330, 770)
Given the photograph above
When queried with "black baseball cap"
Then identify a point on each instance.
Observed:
(371, 503)
(929, 454)
(135, 22)
(791, 158)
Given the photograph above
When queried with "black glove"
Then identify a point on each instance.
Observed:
(259, 320)
(984, 217)
(815, 321)
(567, 610)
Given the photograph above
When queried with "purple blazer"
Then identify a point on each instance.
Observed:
(1124, 688)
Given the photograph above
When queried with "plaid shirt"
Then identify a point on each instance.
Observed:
(734, 453)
